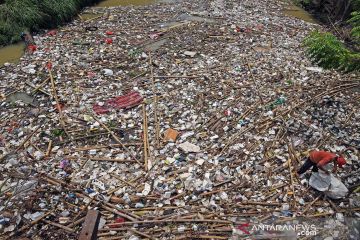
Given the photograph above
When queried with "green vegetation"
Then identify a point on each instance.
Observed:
(328, 51)
(31, 15)
(355, 22)
(57, 132)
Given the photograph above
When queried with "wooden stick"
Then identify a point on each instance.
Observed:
(91, 225)
(308, 206)
(115, 137)
(145, 136)
(33, 222)
(116, 189)
(59, 226)
(157, 132)
(140, 233)
(139, 75)
(292, 183)
(61, 119)
(127, 183)
(290, 172)
(22, 144)
(123, 211)
(190, 77)
(48, 152)
(104, 146)
(84, 209)
(319, 215)
(171, 221)
(99, 159)
(177, 196)
(118, 213)
(77, 222)
(261, 203)
(332, 205)
(37, 89)
(36, 147)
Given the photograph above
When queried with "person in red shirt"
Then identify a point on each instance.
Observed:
(318, 159)
(29, 42)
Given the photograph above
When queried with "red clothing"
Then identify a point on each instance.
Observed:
(321, 158)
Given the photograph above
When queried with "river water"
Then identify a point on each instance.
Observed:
(13, 53)
(298, 12)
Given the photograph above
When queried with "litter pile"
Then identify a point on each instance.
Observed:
(181, 119)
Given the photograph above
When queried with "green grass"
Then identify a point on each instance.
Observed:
(31, 15)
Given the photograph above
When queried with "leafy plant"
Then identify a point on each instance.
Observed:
(57, 132)
(328, 52)
(355, 22)
(20, 15)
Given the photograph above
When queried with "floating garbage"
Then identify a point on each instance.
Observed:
(194, 117)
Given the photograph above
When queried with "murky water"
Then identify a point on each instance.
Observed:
(11, 53)
(298, 12)
(14, 52)
(114, 3)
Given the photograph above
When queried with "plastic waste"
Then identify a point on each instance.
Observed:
(189, 147)
(328, 184)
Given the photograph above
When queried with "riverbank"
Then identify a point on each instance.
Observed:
(180, 119)
(338, 47)
(17, 16)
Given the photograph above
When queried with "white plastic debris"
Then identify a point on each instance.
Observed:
(190, 53)
(189, 147)
(146, 190)
(315, 69)
(108, 72)
(327, 183)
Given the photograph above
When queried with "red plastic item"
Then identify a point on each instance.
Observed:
(109, 33)
(91, 74)
(108, 40)
(32, 48)
(51, 33)
(227, 112)
(59, 107)
(100, 109)
(126, 101)
(119, 220)
(49, 65)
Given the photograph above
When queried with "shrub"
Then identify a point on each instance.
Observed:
(20, 15)
(355, 22)
(328, 52)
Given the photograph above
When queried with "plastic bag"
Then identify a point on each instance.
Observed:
(337, 189)
(328, 184)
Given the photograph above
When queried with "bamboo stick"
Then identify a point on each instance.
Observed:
(48, 152)
(67, 229)
(61, 119)
(308, 206)
(157, 132)
(171, 221)
(115, 137)
(145, 137)
(21, 144)
(99, 159)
